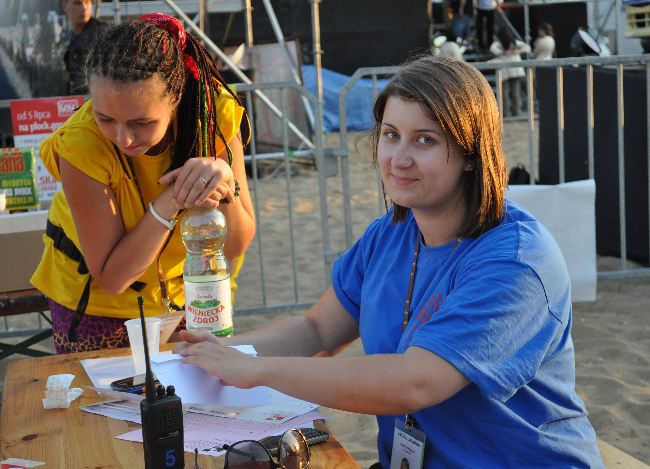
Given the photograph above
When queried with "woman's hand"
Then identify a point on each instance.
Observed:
(203, 182)
(230, 365)
(190, 338)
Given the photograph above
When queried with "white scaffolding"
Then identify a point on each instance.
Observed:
(200, 8)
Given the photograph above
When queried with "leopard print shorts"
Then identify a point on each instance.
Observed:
(93, 332)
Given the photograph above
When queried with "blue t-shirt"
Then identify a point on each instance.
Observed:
(498, 308)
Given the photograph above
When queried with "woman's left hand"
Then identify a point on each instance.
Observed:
(203, 182)
(230, 365)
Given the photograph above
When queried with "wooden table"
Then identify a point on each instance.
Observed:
(72, 438)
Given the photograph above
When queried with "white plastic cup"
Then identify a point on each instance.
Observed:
(134, 329)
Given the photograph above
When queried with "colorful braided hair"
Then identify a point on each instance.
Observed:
(158, 44)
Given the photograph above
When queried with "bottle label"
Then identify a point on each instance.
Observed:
(208, 306)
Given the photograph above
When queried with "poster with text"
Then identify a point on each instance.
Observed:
(17, 178)
(32, 121)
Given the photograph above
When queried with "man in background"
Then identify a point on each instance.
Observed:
(461, 24)
(485, 11)
(85, 30)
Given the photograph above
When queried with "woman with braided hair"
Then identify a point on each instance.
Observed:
(161, 133)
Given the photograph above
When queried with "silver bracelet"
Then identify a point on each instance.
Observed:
(169, 224)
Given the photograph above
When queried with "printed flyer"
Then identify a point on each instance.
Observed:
(17, 178)
(32, 121)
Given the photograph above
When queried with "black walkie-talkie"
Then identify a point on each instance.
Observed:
(162, 418)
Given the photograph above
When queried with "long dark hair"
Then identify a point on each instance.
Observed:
(505, 37)
(137, 50)
(546, 27)
(459, 98)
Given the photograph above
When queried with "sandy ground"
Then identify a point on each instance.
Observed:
(612, 334)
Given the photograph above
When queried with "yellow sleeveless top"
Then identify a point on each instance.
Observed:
(82, 144)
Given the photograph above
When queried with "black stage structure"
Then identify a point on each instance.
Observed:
(605, 133)
(354, 34)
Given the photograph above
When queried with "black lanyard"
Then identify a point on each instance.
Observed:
(409, 293)
(131, 174)
(409, 420)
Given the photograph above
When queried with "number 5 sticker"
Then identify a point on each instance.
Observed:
(170, 458)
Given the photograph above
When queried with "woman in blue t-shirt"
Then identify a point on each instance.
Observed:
(461, 299)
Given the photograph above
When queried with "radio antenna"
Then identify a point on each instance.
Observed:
(150, 392)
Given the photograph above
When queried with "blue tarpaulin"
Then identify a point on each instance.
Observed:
(359, 100)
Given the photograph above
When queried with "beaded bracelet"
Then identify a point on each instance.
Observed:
(235, 193)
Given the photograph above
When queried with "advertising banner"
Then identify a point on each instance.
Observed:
(17, 178)
(32, 121)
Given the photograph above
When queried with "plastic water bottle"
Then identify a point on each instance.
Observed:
(206, 274)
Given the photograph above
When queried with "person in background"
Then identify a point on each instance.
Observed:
(463, 12)
(508, 49)
(85, 31)
(461, 298)
(485, 11)
(161, 132)
(544, 47)
(450, 47)
(645, 44)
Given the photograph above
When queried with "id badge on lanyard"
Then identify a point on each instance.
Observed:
(408, 446)
(408, 441)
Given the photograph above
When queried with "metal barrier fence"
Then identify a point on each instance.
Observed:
(588, 63)
(270, 279)
(305, 216)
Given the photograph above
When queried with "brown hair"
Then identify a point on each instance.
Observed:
(546, 27)
(459, 98)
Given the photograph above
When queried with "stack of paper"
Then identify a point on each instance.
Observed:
(214, 414)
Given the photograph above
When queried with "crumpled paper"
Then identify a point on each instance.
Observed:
(58, 394)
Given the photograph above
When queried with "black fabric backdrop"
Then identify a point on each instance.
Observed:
(564, 17)
(605, 150)
(354, 33)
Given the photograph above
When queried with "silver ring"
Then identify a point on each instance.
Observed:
(205, 183)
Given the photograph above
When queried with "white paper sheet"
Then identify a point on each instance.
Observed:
(17, 462)
(196, 386)
(281, 409)
(208, 434)
(569, 212)
(116, 409)
(103, 371)
(117, 395)
(192, 384)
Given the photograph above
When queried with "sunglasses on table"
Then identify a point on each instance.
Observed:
(292, 453)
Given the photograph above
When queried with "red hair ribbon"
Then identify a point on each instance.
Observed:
(190, 66)
(176, 30)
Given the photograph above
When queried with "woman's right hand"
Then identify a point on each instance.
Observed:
(231, 366)
(203, 182)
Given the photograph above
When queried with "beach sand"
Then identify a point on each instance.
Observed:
(611, 335)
